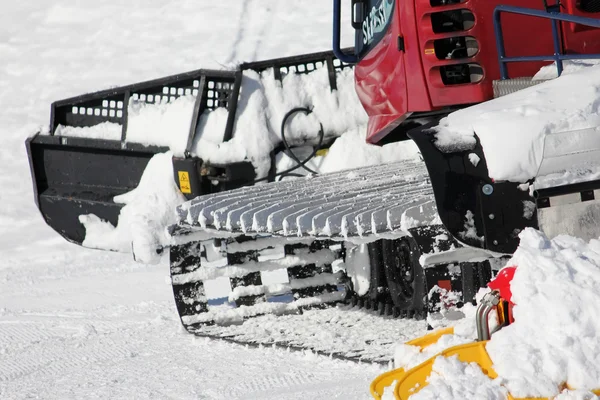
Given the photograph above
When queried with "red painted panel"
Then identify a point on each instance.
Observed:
(522, 36)
(381, 83)
(391, 83)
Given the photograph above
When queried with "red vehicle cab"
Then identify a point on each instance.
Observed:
(420, 56)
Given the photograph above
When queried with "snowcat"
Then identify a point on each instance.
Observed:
(400, 239)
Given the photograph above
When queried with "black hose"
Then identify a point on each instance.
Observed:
(299, 164)
(281, 176)
(293, 111)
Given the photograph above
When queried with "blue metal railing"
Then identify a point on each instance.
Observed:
(337, 27)
(555, 16)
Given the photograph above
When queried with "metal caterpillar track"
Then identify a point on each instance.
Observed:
(310, 279)
(356, 203)
(301, 226)
(322, 314)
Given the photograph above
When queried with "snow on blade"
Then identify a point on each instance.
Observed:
(105, 131)
(161, 124)
(263, 103)
(512, 129)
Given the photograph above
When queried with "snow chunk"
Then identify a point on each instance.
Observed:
(529, 208)
(556, 289)
(407, 356)
(358, 267)
(470, 231)
(352, 151)
(474, 158)
(148, 210)
(451, 379)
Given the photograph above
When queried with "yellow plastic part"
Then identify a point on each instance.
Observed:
(386, 379)
(431, 338)
(411, 381)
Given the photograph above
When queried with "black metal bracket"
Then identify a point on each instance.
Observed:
(466, 197)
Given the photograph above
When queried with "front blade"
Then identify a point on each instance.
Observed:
(569, 158)
(567, 187)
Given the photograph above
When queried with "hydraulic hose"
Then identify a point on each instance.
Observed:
(299, 163)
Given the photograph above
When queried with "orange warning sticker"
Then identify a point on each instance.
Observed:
(184, 182)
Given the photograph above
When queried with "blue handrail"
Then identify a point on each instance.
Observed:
(555, 16)
(337, 28)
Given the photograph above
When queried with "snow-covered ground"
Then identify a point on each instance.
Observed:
(77, 323)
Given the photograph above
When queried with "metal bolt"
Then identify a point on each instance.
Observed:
(495, 243)
(487, 189)
(492, 216)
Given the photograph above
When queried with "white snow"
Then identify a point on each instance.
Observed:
(474, 159)
(463, 321)
(454, 380)
(352, 151)
(513, 129)
(576, 395)
(470, 231)
(553, 341)
(163, 124)
(569, 66)
(105, 130)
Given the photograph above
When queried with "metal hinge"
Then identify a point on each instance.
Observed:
(400, 43)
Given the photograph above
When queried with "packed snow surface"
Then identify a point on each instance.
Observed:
(515, 130)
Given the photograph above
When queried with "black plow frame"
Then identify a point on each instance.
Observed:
(74, 176)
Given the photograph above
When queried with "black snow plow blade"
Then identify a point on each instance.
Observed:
(81, 175)
(78, 171)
